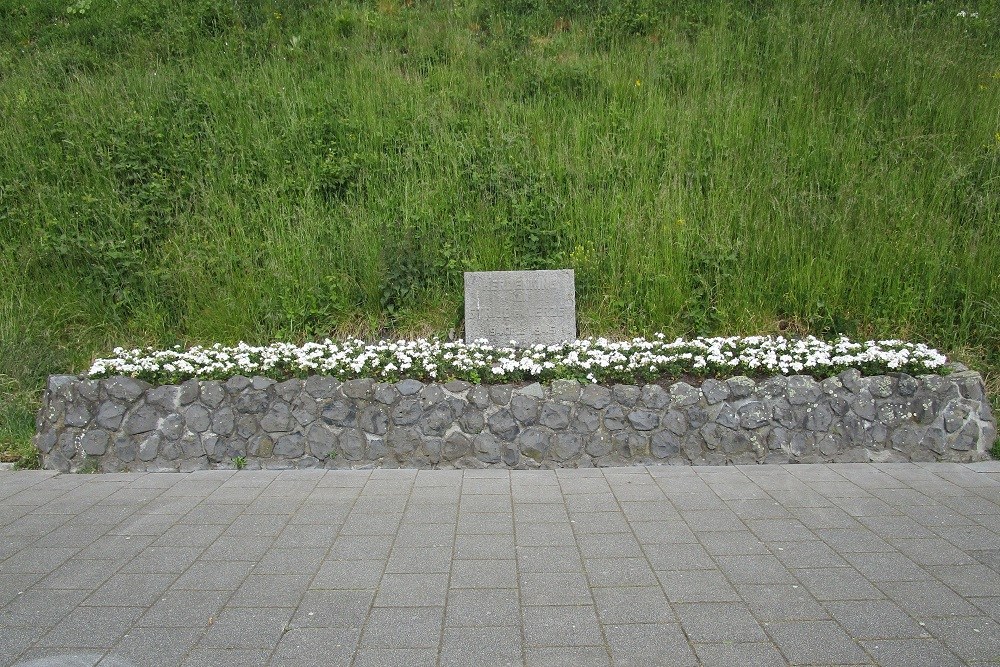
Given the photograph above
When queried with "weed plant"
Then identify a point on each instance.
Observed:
(219, 170)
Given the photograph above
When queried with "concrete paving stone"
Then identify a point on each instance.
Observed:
(539, 513)
(61, 657)
(561, 626)
(739, 490)
(153, 647)
(316, 647)
(969, 538)
(206, 515)
(412, 590)
(591, 502)
(888, 527)
(719, 622)
(367, 524)
(649, 510)
(810, 553)
(567, 656)
(496, 646)
(402, 657)
(887, 567)
(619, 572)
(932, 551)
(549, 559)
(780, 530)
(270, 590)
(701, 521)
(162, 560)
(910, 652)
(754, 569)
(247, 627)
(724, 654)
(649, 644)
(214, 657)
(120, 548)
(486, 504)
(484, 547)
(361, 547)
(970, 638)
(852, 541)
(79, 574)
(477, 607)
(583, 485)
(333, 608)
(627, 605)
(824, 517)
(130, 590)
(420, 559)
(866, 507)
(799, 496)
(816, 642)
(184, 609)
(599, 523)
(989, 606)
(663, 532)
(14, 641)
(555, 589)
(679, 557)
(696, 586)
(91, 627)
(545, 535)
(874, 619)
(968, 580)
(348, 574)
(213, 575)
(608, 545)
(302, 560)
(299, 536)
(837, 583)
(39, 607)
(425, 535)
(700, 500)
(321, 514)
(758, 509)
(236, 549)
(403, 627)
(838, 489)
(483, 574)
(927, 599)
(732, 543)
(989, 557)
(73, 536)
(256, 525)
(187, 535)
(485, 524)
(781, 602)
(487, 486)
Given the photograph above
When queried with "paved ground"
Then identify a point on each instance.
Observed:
(853, 564)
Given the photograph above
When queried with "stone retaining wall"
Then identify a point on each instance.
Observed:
(125, 424)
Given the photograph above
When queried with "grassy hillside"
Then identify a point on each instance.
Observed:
(217, 170)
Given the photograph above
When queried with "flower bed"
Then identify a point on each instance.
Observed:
(349, 404)
(591, 360)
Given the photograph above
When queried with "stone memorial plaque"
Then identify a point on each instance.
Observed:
(528, 307)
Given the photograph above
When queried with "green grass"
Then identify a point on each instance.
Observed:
(221, 170)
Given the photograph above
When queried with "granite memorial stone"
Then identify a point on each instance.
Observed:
(528, 307)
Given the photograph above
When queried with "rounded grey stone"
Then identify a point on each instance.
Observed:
(95, 442)
(500, 394)
(479, 396)
(352, 444)
(456, 445)
(77, 414)
(172, 426)
(277, 419)
(409, 387)
(305, 409)
(289, 390)
(436, 421)
(262, 446)
(223, 421)
(585, 419)
(321, 386)
(457, 386)
(358, 389)
(407, 411)
(664, 444)
(321, 440)
(555, 416)
(614, 418)
(252, 401)
(754, 415)
(524, 408)
(566, 446)
(714, 391)
(595, 396)
(149, 447)
(534, 390)
(534, 442)
(143, 420)
(727, 417)
(402, 441)
(599, 444)
(565, 390)
(630, 444)
(373, 419)
(198, 418)
(675, 422)
(487, 448)
(385, 393)
(881, 386)
(189, 390)
(654, 397)
(472, 420)
(626, 394)
(375, 448)
(124, 449)
(431, 448)
(339, 412)
(291, 445)
(643, 420)
(110, 415)
(802, 390)
(682, 395)
(501, 423)
(236, 384)
(212, 393)
(125, 389)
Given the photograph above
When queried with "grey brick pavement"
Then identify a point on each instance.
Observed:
(849, 564)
